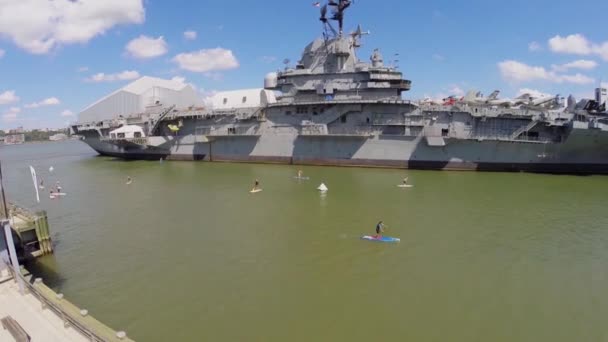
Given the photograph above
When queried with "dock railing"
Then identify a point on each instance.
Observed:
(72, 316)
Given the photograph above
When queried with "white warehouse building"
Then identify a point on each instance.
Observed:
(135, 97)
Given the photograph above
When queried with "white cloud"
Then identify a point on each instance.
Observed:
(83, 69)
(438, 57)
(8, 97)
(146, 47)
(216, 76)
(11, 114)
(51, 101)
(121, 76)
(207, 60)
(457, 91)
(207, 96)
(2, 53)
(582, 64)
(534, 46)
(67, 113)
(574, 43)
(576, 79)
(182, 80)
(579, 45)
(39, 26)
(515, 71)
(602, 50)
(190, 35)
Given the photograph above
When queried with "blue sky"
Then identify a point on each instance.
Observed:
(56, 57)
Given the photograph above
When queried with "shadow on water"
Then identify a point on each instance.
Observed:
(45, 268)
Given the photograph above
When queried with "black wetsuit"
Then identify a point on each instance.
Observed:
(379, 228)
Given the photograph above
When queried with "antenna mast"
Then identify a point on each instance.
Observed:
(338, 9)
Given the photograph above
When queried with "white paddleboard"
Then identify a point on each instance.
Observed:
(57, 194)
(405, 186)
(255, 191)
(302, 178)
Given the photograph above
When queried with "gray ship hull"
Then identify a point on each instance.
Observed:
(333, 108)
(585, 151)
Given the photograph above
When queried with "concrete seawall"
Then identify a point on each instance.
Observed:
(46, 315)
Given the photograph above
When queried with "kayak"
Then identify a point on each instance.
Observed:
(382, 239)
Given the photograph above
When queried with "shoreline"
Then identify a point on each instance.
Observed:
(39, 142)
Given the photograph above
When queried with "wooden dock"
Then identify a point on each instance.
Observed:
(33, 232)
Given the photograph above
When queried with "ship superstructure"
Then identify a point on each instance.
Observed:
(332, 108)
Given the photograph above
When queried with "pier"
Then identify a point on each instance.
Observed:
(45, 315)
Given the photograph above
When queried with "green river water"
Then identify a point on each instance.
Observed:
(186, 253)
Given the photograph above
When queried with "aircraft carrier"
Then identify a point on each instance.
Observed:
(331, 108)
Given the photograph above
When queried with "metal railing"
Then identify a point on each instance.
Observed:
(59, 306)
(138, 141)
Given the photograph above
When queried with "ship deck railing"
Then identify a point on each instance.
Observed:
(345, 101)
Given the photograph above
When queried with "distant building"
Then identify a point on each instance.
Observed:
(17, 130)
(14, 139)
(58, 137)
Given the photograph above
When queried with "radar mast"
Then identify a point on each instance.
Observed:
(338, 9)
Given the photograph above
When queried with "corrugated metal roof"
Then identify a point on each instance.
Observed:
(141, 85)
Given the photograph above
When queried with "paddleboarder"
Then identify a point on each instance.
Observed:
(256, 185)
(379, 230)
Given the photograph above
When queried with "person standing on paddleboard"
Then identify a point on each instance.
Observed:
(379, 230)
(256, 185)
